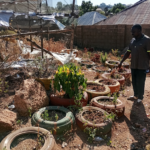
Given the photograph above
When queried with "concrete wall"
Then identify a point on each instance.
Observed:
(105, 37)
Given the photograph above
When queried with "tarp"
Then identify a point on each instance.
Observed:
(4, 17)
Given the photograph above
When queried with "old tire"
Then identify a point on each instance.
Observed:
(58, 101)
(118, 110)
(49, 139)
(102, 128)
(107, 63)
(127, 74)
(113, 88)
(59, 127)
(95, 94)
(107, 70)
(121, 81)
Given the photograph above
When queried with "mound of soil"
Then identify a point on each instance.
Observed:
(95, 88)
(116, 76)
(108, 82)
(101, 68)
(87, 62)
(94, 116)
(112, 62)
(53, 115)
(107, 102)
(90, 75)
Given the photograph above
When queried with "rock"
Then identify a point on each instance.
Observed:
(7, 120)
(30, 97)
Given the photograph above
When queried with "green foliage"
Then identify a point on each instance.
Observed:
(103, 58)
(91, 132)
(86, 7)
(45, 115)
(115, 52)
(56, 117)
(117, 8)
(115, 98)
(30, 111)
(110, 116)
(71, 80)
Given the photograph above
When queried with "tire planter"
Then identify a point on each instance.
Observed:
(92, 94)
(126, 65)
(102, 128)
(116, 109)
(48, 137)
(98, 70)
(45, 82)
(83, 63)
(107, 63)
(121, 81)
(59, 127)
(113, 88)
(127, 74)
(58, 101)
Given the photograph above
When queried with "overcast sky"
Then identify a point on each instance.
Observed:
(97, 2)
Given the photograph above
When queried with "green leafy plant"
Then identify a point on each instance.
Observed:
(109, 116)
(115, 98)
(30, 111)
(115, 52)
(45, 115)
(70, 79)
(91, 132)
(103, 58)
(56, 117)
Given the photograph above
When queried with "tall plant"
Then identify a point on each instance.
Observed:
(71, 80)
(103, 58)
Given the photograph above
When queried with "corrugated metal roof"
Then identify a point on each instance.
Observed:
(90, 18)
(139, 13)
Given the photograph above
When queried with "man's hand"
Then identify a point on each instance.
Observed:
(120, 65)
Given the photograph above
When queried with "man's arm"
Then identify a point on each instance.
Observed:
(127, 54)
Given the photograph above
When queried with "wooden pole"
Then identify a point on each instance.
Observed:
(72, 39)
(35, 33)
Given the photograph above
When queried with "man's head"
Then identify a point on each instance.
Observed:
(136, 31)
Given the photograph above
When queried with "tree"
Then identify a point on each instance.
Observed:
(87, 7)
(103, 5)
(117, 8)
(59, 5)
(106, 11)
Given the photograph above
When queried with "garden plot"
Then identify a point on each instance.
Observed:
(74, 127)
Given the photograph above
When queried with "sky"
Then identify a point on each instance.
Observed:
(97, 2)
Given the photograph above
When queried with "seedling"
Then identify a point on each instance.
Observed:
(56, 117)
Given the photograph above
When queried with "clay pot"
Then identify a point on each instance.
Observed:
(92, 94)
(58, 101)
(127, 74)
(107, 75)
(102, 128)
(45, 82)
(98, 70)
(118, 109)
(113, 88)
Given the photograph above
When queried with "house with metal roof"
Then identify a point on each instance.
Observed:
(90, 18)
(139, 13)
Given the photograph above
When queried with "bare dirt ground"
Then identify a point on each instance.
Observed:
(129, 132)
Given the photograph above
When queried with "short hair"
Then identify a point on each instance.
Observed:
(137, 26)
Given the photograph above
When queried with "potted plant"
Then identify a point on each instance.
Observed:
(102, 67)
(43, 139)
(114, 85)
(113, 75)
(69, 87)
(124, 71)
(112, 63)
(87, 63)
(109, 104)
(55, 118)
(95, 89)
(96, 118)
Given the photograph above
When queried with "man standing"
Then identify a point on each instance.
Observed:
(139, 49)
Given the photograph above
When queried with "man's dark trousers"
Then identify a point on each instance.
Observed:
(138, 82)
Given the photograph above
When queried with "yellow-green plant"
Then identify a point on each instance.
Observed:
(115, 52)
(103, 58)
(71, 80)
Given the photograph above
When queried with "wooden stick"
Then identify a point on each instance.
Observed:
(34, 33)
(46, 51)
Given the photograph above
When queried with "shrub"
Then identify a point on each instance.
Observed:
(71, 80)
